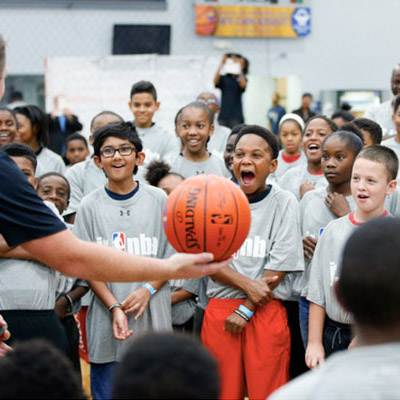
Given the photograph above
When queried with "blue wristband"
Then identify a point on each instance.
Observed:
(149, 288)
(246, 311)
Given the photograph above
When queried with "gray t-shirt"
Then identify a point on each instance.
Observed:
(294, 177)
(184, 310)
(273, 243)
(324, 267)
(157, 143)
(217, 142)
(392, 144)
(83, 178)
(49, 161)
(187, 168)
(364, 373)
(199, 288)
(133, 225)
(284, 166)
(26, 285)
(315, 216)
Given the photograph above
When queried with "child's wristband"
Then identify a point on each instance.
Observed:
(114, 306)
(242, 315)
(246, 311)
(149, 288)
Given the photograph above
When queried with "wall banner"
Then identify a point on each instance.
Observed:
(249, 21)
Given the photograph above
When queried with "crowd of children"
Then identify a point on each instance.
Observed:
(274, 309)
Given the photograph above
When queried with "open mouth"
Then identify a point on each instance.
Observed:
(4, 134)
(362, 197)
(313, 147)
(247, 177)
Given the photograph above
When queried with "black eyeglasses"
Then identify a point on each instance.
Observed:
(109, 152)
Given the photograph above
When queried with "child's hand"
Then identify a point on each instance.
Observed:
(309, 244)
(136, 301)
(61, 307)
(305, 187)
(120, 324)
(338, 204)
(259, 292)
(235, 323)
(315, 355)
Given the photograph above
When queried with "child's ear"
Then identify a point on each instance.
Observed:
(391, 187)
(130, 105)
(91, 140)
(140, 156)
(211, 130)
(35, 182)
(98, 162)
(157, 105)
(393, 117)
(273, 166)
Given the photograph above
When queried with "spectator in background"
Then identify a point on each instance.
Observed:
(343, 115)
(275, 113)
(305, 111)
(32, 130)
(16, 100)
(231, 79)
(61, 124)
(382, 113)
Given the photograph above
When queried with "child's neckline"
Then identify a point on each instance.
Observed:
(208, 157)
(290, 159)
(117, 196)
(354, 222)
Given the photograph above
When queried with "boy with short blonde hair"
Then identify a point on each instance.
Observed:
(373, 178)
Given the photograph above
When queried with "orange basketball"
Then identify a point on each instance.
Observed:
(207, 213)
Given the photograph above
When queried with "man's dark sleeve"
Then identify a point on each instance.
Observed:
(23, 215)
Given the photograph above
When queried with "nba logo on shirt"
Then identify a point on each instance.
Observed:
(118, 241)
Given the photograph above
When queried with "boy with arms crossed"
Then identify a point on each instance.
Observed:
(373, 178)
(254, 350)
(128, 216)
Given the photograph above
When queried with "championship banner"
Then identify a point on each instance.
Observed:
(248, 21)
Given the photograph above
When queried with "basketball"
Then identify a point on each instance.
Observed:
(207, 213)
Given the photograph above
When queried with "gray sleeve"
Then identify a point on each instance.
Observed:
(75, 182)
(171, 148)
(83, 223)
(315, 290)
(289, 182)
(192, 286)
(287, 250)
(60, 166)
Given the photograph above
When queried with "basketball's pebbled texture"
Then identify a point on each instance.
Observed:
(207, 213)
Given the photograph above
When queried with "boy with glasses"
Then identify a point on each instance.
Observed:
(125, 215)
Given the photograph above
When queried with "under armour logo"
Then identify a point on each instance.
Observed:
(122, 213)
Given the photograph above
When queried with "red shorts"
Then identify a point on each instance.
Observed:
(258, 357)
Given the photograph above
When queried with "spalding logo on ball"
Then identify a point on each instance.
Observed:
(207, 213)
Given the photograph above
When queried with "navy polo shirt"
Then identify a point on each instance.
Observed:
(23, 215)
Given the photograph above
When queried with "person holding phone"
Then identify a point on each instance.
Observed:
(231, 79)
